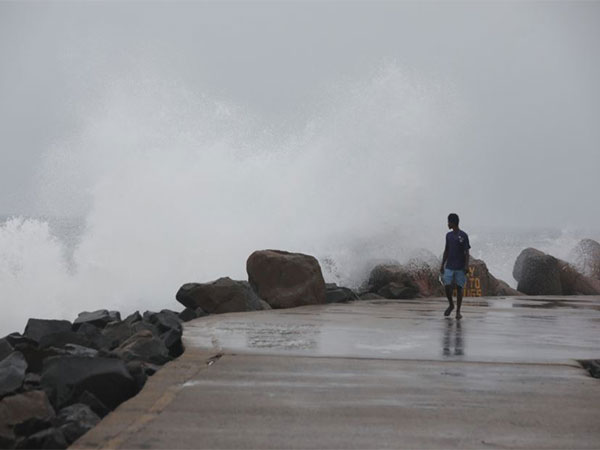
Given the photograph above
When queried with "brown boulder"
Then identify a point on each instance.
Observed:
(286, 280)
(221, 296)
(22, 413)
(481, 283)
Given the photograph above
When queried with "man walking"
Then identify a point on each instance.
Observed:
(455, 264)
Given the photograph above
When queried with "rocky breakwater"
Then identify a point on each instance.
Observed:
(538, 273)
(420, 278)
(58, 379)
(276, 279)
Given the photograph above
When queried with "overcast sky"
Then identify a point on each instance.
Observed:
(527, 73)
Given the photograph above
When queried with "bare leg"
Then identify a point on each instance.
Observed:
(459, 297)
(449, 297)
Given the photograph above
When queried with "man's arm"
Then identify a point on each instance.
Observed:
(467, 261)
(444, 258)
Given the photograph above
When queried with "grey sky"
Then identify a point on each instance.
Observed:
(527, 72)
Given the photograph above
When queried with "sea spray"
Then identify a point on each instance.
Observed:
(174, 186)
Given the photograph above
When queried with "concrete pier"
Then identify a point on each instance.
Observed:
(375, 374)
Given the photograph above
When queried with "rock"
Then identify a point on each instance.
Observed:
(94, 336)
(12, 373)
(480, 282)
(76, 420)
(137, 372)
(32, 382)
(336, 294)
(63, 338)
(190, 314)
(537, 273)
(221, 296)
(133, 318)
(116, 333)
(398, 291)
(392, 281)
(370, 296)
(17, 339)
(586, 258)
(35, 356)
(23, 413)
(36, 329)
(78, 350)
(49, 438)
(592, 366)
(286, 280)
(172, 340)
(65, 378)
(540, 274)
(165, 321)
(99, 318)
(94, 403)
(575, 283)
(143, 346)
(5, 348)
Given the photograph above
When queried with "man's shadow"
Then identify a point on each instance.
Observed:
(453, 343)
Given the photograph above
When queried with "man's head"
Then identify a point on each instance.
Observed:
(453, 220)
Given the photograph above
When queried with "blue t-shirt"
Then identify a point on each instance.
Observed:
(457, 245)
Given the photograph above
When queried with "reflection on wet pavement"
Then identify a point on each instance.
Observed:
(513, 329)
(453, 339)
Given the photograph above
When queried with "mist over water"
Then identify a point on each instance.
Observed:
(169, 185)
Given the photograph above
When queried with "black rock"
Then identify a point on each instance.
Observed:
(65, 378)
(133, 318)
(79, 350)
(5, 348)
(172, 340)
(143, 346)
(145, 326)
(336, 294)
(592, 366)
(95, 405)
(36, 329)
(116, 333)
(398, 291)
(190, 314)
(35, 356)
(94, 336)
(221, 296)
(31, 426)
(137, 371)
(165, 320)
(17, 339)
(32, 382)
(99, 318)
(76, 420)
(49, 438)
(12, 373)
(62, 338)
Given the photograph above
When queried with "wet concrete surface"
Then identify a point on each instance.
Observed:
(492, 330)
(375, 374)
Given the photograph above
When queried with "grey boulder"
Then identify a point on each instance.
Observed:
(12, 373)
(65, 378)
(221, 296)
(36, 329)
